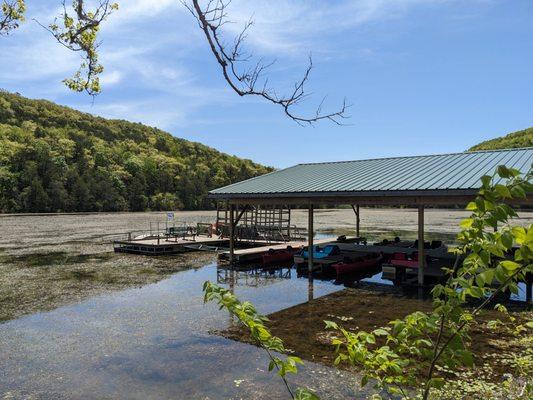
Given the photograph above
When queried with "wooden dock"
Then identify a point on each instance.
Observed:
(163, 245)
(256, 253)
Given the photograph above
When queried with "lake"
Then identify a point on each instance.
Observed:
(127, 326)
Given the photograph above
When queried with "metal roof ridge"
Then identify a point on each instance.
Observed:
(418, 156)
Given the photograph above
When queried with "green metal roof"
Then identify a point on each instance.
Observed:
(416, 175)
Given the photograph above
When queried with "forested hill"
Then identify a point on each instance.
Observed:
(522, 138)
(54, 158)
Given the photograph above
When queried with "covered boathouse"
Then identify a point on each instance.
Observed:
(432, 180)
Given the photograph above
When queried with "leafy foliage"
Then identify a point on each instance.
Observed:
(11, 15)
(77, 30)
(523, 138)
(53, 158)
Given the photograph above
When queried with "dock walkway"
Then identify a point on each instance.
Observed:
(163, 245)
(255, 253)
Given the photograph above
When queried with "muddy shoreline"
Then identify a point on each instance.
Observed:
(302, 327)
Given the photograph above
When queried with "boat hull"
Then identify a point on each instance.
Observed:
(358, 266)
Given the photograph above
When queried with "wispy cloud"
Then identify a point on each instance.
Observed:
(149, 49)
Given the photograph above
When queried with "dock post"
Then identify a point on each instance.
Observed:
(232, 235)
(421, 255)
(310, 236)
(310, 260)
(357, 221)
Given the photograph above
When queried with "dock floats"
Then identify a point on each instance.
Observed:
(172, 245)
(154, 245)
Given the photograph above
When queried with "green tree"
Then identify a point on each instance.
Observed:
(34, 197)
(86, 163)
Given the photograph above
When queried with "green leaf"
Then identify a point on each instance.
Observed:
(466, 223)
(485, 180)
(471, 206)
(466, 357)
(503, 171)
(503, 191)
(518, 191)
(436, 382)
(507, 239)
(519, 234)
(509, 265)
(305, 394)
(331, 325)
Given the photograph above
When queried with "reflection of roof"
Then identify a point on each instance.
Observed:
(441, 174)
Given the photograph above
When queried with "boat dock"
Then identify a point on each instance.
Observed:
(172, 245)
(255, 253)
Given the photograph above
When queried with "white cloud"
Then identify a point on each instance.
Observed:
(110, 78)
(297, 26)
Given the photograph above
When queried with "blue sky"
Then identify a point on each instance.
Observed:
(423, 76)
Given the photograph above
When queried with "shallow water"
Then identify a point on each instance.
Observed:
(153, 343)
(157, 341)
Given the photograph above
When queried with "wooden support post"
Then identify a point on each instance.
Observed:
(357, 222)
(232, 235)
(421, 255)
(310, 236)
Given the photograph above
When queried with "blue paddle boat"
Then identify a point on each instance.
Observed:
(321, 252)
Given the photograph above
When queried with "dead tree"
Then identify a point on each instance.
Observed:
(250, 81)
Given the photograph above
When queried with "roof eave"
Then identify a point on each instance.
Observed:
(376, 193)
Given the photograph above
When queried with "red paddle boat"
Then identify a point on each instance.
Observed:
(401, 260)
(358, 265)
(279, 256)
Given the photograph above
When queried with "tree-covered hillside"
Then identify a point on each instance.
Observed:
(522, 138)
(54, 158)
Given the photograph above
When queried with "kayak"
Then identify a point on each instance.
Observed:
(358, 265)
(278, 256)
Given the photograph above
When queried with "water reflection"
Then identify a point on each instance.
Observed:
(154, 342)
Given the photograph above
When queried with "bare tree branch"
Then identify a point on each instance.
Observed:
(250, 81)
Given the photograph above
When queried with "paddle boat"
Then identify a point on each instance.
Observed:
(321, 252)
(401, 260)
(358, 265)
(279, 255)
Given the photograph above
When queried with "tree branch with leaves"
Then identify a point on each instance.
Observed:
(77, 29)
(12, 15)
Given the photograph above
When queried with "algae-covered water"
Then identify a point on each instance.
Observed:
(81, 322)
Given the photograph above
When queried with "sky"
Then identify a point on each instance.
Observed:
(421, 76)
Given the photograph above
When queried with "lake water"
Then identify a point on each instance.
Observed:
(158, 341)
(155, 342)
